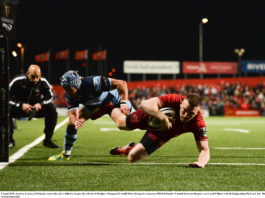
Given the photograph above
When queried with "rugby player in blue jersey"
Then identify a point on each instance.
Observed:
(90, 98)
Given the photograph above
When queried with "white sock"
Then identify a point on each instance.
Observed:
(67, 152)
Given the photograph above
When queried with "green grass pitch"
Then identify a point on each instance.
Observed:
(93, 169)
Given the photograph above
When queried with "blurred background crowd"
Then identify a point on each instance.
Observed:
(217, 99)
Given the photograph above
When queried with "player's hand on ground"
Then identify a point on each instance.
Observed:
(125, 109)
(196, 165)
(37, 106)
(27, 108)
(79, 123)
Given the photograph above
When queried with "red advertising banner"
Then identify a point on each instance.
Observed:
(43, 57)
(62, 55)
(99, 55)
(209, 67)
(81, 55)
(242, 113)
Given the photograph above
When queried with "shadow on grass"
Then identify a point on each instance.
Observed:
(95, 163)
(61, 163)
(88, 156)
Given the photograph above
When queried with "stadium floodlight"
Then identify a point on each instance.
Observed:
(22, 51)
(203, 21)
(14, 53)
(240, 53)
(19, 45)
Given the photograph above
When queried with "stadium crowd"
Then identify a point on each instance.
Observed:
(216, 98)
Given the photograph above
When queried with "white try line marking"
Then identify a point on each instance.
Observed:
(238, 148)
(25, 149)
(237, 130)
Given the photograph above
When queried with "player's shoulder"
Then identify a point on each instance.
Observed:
(99, 83)
(88, 80)
(199, 119)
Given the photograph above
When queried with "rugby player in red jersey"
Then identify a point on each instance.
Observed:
(188, 119)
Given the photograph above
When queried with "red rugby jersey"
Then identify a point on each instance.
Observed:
(195, 125)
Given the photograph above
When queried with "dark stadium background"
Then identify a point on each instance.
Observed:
(139, 30)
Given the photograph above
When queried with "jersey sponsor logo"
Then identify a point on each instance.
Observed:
(96, 82)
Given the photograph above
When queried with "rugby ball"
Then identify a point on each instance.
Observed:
(155, 124)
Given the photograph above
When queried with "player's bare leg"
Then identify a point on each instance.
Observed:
(119, 118)
(137, 153)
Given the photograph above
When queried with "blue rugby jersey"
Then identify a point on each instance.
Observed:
(94, 92)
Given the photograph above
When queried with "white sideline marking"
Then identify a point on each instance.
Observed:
(237, 130)
(238, 148)
(25, 149)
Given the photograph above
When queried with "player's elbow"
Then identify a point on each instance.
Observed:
(120, 85)
(121, 124)
(123, 83)
(144, 105)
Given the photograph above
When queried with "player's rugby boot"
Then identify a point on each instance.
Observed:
(60, 157)
(122, 150)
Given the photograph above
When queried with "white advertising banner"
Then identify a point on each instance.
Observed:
(151, 67)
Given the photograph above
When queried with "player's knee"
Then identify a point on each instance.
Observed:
(132, 158)
(135, 157)
(121, 124)
(137, 153)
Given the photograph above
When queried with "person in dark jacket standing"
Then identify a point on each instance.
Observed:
(31, 96)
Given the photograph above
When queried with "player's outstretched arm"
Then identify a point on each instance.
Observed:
(204, 155)
(83, 114)
(73, 119)
(122, 88)
(152, 107)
